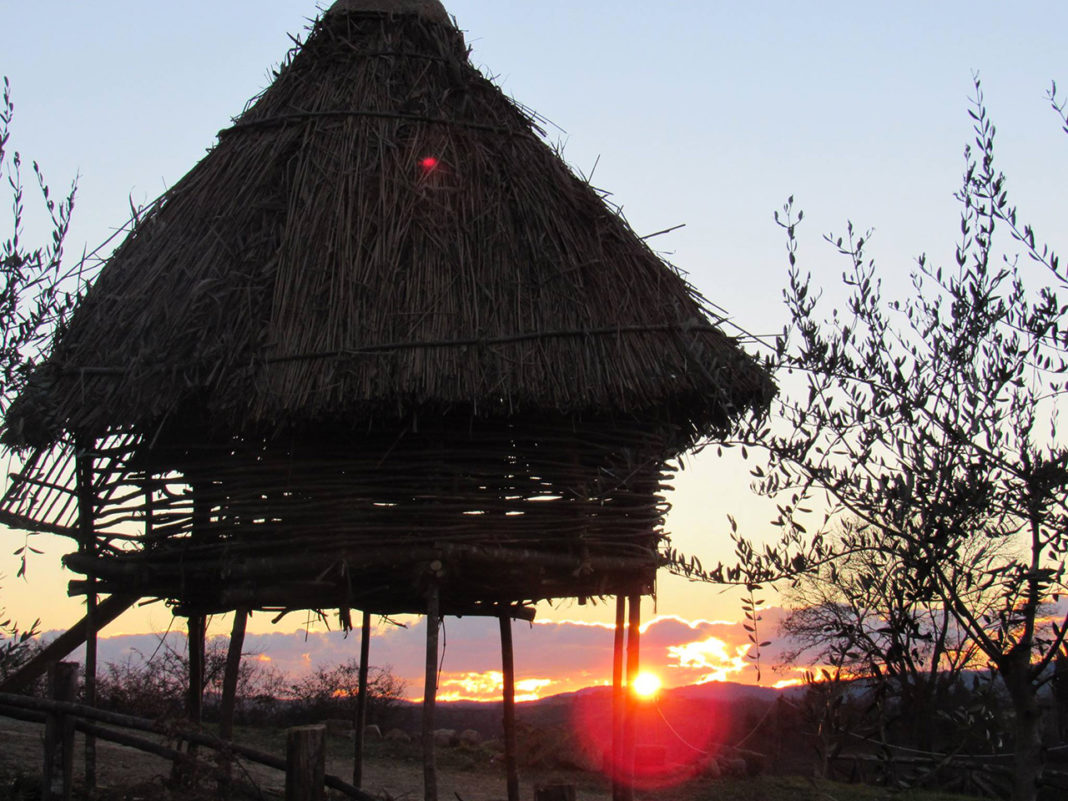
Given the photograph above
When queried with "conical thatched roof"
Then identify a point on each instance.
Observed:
(427, 9)
(382, 231)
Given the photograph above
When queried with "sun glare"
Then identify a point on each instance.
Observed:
(646, 685)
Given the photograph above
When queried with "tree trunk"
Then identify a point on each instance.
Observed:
(1027, 767)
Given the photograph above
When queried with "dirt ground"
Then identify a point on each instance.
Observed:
(126, 774)
(390, 773)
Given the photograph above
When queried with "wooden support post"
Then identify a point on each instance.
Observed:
(231, 674)
(508, 671)
(184, 774)
(196, 624)
(57, 778)
(430, 689)
(615, 759)
(633, 664)
(305, 763)
(88, 546)
(90, 685)
(361, 702)
(194, 707)
(229, 695)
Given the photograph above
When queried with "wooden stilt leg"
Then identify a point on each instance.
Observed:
(196, 624)
(633, 664)
(616, 758)
(508, 670)
(90, 685)
(231, 674)
(195, 699)
(229, 694)
(194, 702)
(87, 537)
(430, 771)
(360, 723)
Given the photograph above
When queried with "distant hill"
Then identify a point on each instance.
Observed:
(723, 691)
(729, 704)
(728, 691)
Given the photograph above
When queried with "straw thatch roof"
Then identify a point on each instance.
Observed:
(427, 9)
(380, 339)
(383, 232)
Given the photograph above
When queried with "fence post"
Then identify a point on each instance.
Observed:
(360, 728)
(57, 778)
(554, 792)
(305, 763)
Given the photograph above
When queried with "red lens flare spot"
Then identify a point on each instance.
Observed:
(429, 164)
(675, 737)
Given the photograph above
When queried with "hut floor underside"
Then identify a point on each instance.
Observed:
(471, 581)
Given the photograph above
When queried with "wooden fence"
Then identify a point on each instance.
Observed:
(303, 765)
(987, 775)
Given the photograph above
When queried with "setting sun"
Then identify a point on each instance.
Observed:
(646, 685)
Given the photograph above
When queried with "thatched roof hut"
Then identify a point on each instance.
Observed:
(381, 331)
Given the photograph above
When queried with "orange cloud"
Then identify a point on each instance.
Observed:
(530, 689)
(712, 656)
(693, 624)
(488, 686)
(470, 686)
(577, 623)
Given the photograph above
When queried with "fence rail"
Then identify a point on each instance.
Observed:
(87, 719)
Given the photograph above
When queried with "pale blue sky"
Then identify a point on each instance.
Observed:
(703, 113)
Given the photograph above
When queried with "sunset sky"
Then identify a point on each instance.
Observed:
(707, 114)
(551, 656)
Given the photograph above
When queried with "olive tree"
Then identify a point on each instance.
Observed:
(858, 618)
(33, 301)
(930, 423)
(35, 291)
